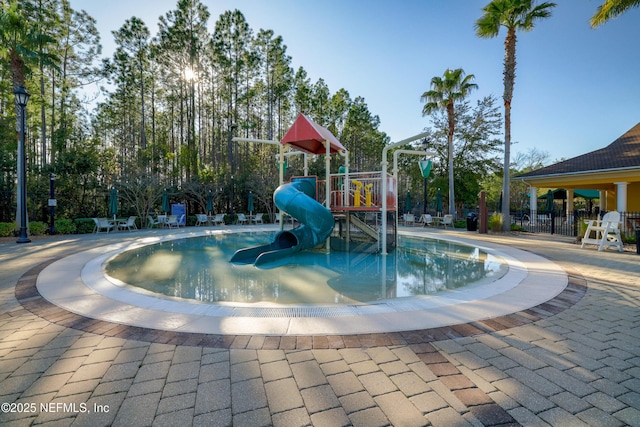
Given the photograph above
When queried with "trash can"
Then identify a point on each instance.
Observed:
(472, 221)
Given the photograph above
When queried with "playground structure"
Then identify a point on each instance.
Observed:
(348, 211)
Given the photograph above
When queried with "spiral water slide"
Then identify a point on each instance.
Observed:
(297, 200)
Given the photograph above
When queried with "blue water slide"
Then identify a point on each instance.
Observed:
(297, 200)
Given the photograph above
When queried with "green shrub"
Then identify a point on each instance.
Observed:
(84, 225)
(37, 228)
(64, 226)
(7, 229)
(495, 222)
(517, 227)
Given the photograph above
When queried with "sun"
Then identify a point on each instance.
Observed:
(189, 74)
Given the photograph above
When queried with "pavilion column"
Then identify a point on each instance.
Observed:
(533, 201)
(621, 196)
(602, 200)
(570, 209)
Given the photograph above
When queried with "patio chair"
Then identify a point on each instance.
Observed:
(409, 219)
(172, 221)
(162, 220)
(447, 220)
(426, 220)
(182, 222)
(242, 219)
(286, 218)
(257, 218)
(103, 224)
(129, 224)
(201, 219)
(606, 232)
(151, 223)
(217, 219)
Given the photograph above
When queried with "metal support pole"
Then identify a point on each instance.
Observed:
(385, 165)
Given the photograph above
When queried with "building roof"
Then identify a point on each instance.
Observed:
(308, 136)
(621, 154)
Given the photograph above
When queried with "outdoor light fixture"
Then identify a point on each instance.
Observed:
(22, 97)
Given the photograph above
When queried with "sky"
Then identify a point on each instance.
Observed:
(576, 90)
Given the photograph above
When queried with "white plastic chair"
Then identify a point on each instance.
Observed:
(129, 224)
(217, 219)
(242, 219)
(447, 220)
(103, 224)
(201, 219)
(426, 220)
(409, 219)
(257, 218)
(606, 232)
(172, 221)
(152, 222)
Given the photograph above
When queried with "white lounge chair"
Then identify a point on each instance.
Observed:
(409, 219)
(257, 218)
(129, 224)
(217, 219)
(151, 223)
(103, 224)
(172, 221)
(201, 219)
(606, 232)
(426, 220)
(447, 220)
(242, 219)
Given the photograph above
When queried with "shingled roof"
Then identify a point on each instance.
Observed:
(623, 153)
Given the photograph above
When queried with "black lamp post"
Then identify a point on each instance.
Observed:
(52, 202)
(22, 97)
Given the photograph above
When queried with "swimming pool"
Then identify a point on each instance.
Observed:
(77, 283)
(197, 268)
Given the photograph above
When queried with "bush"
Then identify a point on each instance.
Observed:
(84, 225)
(7, 229)
(495, 222)
(37, 228)
(517, 227)
(64, 226)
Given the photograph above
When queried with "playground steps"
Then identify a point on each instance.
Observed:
(364, 227)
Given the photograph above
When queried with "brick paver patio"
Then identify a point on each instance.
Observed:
(574, 360)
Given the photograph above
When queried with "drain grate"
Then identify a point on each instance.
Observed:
(295, 311)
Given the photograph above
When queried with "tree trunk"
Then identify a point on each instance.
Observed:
(509, 80)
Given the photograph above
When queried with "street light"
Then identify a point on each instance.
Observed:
(22, 97)
(52, 202)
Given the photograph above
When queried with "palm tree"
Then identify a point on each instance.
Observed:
(611, 9)
(513, 15)
(445, 91)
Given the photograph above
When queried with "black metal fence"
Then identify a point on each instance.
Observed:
(572, 224)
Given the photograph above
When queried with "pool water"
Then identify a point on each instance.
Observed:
(197, 268)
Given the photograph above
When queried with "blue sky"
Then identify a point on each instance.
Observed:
(577, 89)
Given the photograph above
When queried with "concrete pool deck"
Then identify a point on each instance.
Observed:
(77, 283)
(574, 360)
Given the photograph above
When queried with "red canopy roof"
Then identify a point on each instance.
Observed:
(307, 135)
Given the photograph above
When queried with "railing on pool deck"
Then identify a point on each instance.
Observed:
(569, 225)
(361, 191)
